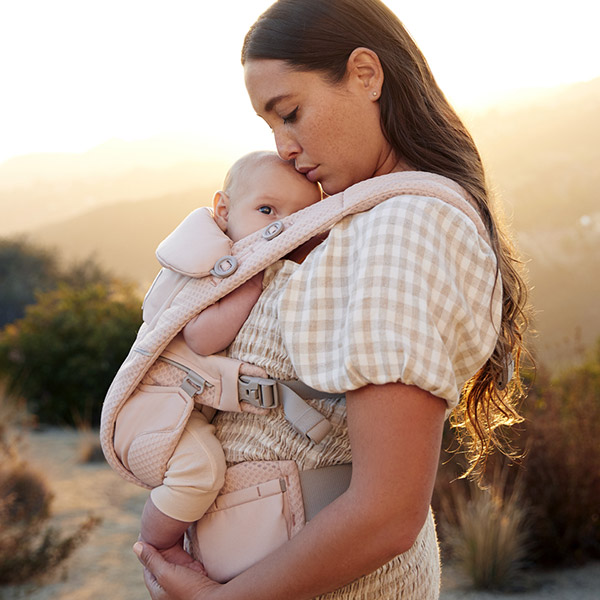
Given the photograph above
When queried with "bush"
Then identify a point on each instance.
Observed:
(64, 353)
(28, 547)
(24, 493)
(486, 532)
(27, 270)
(562, 465)
(24, 270)
(30, 550)
(559, 470)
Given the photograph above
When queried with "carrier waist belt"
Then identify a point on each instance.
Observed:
(321, 487)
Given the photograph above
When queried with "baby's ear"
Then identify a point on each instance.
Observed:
(221, 209)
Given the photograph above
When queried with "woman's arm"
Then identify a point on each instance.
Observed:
(217, 325)
(395, 432)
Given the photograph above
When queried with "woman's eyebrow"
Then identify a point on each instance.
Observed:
(273, 101)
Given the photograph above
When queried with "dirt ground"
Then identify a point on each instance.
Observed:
(105, 567)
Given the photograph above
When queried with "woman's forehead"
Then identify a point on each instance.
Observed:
(266, 79)
(272, 81)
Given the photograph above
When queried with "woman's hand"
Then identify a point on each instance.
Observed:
(173, 574)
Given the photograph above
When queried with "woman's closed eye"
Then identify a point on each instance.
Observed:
(291, 117)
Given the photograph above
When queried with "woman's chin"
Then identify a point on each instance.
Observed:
(331, 187)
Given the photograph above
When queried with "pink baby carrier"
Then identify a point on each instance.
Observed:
(262, 503)
(197, 272)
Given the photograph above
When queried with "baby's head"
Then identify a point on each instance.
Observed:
(260, 188)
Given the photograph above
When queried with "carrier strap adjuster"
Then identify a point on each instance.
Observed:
(193, 384)
(258, 391)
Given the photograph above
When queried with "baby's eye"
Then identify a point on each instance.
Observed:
(266, 210)
(291, 117)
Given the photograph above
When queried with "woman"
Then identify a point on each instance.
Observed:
(400, 308)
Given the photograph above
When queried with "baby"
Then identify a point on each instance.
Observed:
(259, 189)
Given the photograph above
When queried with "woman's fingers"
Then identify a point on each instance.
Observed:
(154, 588)
(154, 566)
(168, 581)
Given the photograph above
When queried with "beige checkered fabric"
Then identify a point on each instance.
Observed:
(253, 254)
(404, 292)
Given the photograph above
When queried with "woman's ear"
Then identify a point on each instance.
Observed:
(221, 209)
(364, 68)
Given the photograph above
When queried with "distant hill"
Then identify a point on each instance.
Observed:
(39, 189)
(542, 157)
(123, 236)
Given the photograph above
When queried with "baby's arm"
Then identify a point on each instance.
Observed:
(160, 531)
(217, 325)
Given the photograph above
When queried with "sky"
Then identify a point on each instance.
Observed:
(75, 73)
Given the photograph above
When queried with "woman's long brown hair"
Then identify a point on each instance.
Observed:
(424, 130)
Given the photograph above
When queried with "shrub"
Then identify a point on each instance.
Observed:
(64, 353)
(562, 465)
(89, 449)
(27, 270)
(25, 494)
(31, 551)
(559, 470)
(28, 547)
(24, 270)
(486, 532)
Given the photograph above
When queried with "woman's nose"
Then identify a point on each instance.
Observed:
(287, 147)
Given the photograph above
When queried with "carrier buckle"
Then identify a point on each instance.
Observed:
(258, 391)
(193, 384)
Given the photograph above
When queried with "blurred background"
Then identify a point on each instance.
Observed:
(119, 117)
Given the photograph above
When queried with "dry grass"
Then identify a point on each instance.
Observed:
(29, 547)
(562, 465)
(29, 551)
(486, 533)
(89, 449)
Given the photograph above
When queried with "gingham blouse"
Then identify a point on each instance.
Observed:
(407, 292)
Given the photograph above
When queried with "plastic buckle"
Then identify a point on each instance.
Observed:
(273, 230)
(225, 266)
(193, 384)
(258, 391)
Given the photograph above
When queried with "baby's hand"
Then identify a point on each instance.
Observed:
(178, 556)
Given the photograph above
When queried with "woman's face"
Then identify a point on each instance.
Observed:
(331, 132)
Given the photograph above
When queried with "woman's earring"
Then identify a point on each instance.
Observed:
(374, 93)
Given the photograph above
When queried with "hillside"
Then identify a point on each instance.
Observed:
(123, 236)
(542, 159)
(39, 189)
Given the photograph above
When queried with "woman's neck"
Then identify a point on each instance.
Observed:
(299, 254)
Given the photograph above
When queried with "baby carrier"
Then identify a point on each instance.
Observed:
(198, 272)
(163, 380)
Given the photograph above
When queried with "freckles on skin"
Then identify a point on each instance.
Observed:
(337, 129)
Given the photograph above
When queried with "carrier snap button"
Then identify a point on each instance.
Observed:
(225, 266)
(272, 230)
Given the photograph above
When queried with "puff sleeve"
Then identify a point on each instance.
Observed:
(406, 292)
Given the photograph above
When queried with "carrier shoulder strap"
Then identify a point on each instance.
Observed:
(248, 257)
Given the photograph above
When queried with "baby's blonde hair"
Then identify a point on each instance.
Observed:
(239, 170)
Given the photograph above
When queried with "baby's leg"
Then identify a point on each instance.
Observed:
(194, 476)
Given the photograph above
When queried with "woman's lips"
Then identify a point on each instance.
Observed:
(309, 172)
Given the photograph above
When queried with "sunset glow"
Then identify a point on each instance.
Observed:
(76, 73)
